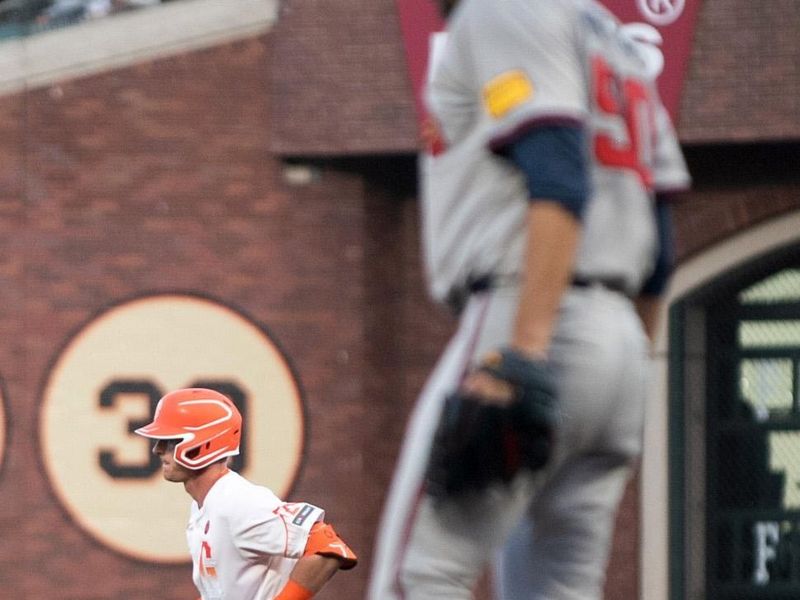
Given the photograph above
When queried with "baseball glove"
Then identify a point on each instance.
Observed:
(480, 443)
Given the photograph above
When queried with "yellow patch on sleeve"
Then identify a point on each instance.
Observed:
(506, 91)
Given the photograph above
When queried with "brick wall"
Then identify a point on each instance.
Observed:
(743, 82)
(735, 187)
(339, 83)
(160, 177)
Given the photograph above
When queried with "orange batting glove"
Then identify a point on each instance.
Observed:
(322, 539)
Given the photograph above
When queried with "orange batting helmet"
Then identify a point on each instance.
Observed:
(207, 423)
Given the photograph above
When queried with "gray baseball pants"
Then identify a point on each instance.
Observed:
(547, 534)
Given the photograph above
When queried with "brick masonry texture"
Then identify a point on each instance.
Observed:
(743, 82)
(339, 82)
(734, 187)
(161, 177)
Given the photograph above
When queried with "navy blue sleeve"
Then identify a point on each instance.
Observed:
(553, 159)
(657, 282)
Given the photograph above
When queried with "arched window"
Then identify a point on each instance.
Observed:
(735, 435)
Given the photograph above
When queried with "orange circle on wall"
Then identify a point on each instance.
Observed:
(105, 383)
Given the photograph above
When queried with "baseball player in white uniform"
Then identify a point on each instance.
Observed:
(546, 224)
(245, 543)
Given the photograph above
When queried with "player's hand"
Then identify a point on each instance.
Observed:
(481, 383)
(488, 388)
(499, 422)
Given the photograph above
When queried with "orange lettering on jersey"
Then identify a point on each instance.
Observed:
(207, 565)
(506, 92)
(289, 508)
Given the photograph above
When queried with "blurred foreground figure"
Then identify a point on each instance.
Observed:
(546, 227)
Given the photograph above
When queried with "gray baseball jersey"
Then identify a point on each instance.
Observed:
(511, 65)
(507, 66)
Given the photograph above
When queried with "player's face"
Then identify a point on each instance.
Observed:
(165, 450)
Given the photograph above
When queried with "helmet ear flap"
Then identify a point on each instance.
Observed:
(199, 453)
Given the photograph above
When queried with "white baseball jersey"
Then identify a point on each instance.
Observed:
(510, 66)
(245, 541)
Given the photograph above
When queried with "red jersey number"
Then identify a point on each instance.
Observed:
(629, 100)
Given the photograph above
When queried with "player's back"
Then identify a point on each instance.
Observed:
(474, 200)
(510, 67)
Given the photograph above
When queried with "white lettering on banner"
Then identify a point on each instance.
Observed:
(766, 536)
(661, 12)
(648, 39)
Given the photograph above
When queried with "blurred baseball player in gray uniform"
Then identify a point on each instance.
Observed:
(545, 221)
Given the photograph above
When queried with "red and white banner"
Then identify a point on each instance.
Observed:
(674, 20)
(418, 20)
